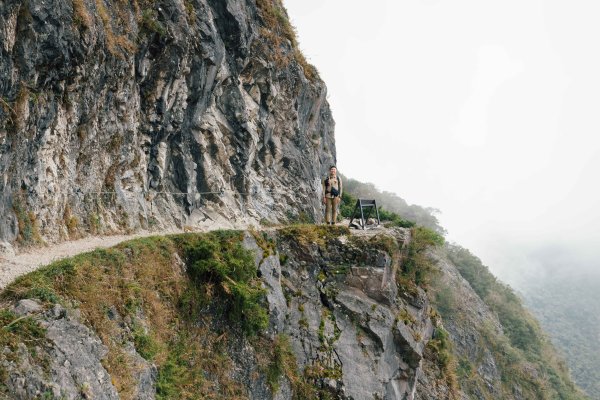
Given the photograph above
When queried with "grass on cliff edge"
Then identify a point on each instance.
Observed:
(306, 234)
(15, 330)
(160, 294)
(277, 28)
(177, 299)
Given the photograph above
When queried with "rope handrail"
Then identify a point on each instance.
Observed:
(270, 190)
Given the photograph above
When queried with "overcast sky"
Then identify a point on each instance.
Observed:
(486, 110)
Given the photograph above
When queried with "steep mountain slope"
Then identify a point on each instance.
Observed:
(500, 349)
(119, 115)
(568, 307)
(302, 312)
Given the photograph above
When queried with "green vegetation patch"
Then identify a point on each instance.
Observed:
(15, 330)
(306, 235)
(29, 232)
(283, 363)
(149, 23)
(220, 259)
(524, 355)
(266, 243)
(197, 367)
(440, 346)
(417, 266)
(155, 291)
(423, 216)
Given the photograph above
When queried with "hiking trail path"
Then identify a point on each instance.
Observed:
(13, 266)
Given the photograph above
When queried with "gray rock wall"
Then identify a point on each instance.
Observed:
(72, 368)
(343, 319)
(106, 107)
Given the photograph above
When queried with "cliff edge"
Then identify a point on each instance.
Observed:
(300, 312)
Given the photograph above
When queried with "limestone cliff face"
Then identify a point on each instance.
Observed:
(121, 115)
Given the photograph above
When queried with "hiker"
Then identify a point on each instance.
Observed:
(332, 194)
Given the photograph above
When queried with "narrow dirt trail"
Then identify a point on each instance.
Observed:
(28, 260)
(12, 267)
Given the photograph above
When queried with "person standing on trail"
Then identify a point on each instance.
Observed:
(332, 193)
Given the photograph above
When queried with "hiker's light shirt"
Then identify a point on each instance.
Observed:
(334, 182)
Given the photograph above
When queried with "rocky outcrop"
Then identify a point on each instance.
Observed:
(71, 363)
(116, 116)
(344, 319)
(352, 335)
(301, 312)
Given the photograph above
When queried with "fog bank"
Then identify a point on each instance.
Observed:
(487, 111)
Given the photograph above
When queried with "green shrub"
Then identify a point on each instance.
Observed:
(283, 363)
(392, 219)
(418, 265)
(464, 368)
(175, 372)
(150, 23)
(145, 345)
(167, 383)
(219, 258)
(441, 347)
(347, 205)
(44, 294)
(29, 233)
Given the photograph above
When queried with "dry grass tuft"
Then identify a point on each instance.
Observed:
(29, 231)
(117, 43)
(81, 15)
(280, 35)
(71, 222)
(307, 234)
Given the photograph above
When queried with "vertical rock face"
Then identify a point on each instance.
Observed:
(74, 360)
(344, 318)
(118, 117)
(351, 334)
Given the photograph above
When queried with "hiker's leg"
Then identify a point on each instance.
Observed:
(328, 209)
(336, 202)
